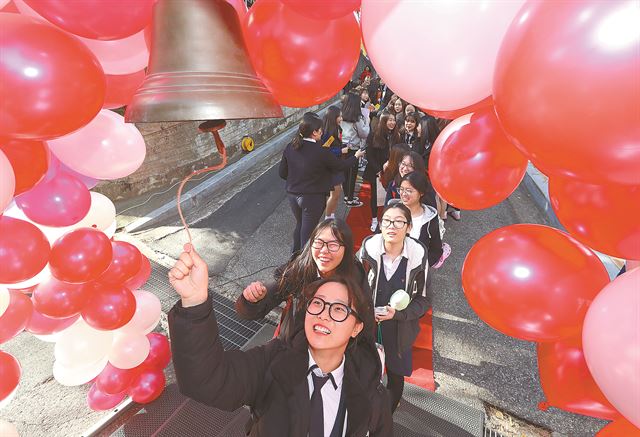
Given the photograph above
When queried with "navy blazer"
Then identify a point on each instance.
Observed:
(309, 169)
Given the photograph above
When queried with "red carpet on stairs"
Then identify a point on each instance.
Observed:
(359, 219)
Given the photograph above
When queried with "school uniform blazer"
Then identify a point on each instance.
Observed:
(309, 169)
(417, 282)
(271, 379)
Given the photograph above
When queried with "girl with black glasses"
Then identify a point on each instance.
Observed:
(328, 252)
(395, 261)
(321, 383)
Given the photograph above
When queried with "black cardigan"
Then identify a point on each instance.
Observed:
(309, 169)
(271, 379)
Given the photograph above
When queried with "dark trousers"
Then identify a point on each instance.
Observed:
(395, 384)
(350, 174)
(374, 198)
(307, 209)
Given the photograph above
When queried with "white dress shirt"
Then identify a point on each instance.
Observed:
(391, 265)
(330, 395)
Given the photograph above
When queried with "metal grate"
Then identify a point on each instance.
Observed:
(491, 433)
(425, 413)
(234, 332)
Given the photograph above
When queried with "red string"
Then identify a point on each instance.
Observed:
(223, 153)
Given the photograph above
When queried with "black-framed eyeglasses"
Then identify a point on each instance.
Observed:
(332, 246)
(398, 224)
(338, 312)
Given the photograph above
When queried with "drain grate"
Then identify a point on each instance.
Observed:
(234, 332)
(491, 433)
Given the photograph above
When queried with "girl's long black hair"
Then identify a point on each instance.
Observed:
(330, 127)
(302, 270)
(351, 108)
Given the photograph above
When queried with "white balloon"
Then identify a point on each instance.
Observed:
(78, 375)
(129, 350)
(81, 344)
(4, 300)
(147, 315)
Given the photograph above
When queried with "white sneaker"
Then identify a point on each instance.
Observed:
(327, 217)
(374, 224)
(455, 214)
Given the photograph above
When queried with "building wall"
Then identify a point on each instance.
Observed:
(174, 150)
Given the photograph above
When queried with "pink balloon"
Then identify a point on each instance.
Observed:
(147, 315)
(611, 343)
(122, 56)
(7, 182)
(41, 324)
(129, 350)
(107, 148)
(60, 201)
(121, 88)
(427, 72)
(100, 401)
(16, 316)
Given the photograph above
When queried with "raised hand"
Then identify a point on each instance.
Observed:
(254, 292)
(190, 278)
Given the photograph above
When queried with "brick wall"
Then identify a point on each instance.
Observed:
(176, 149)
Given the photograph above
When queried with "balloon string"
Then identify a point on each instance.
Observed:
(223, 153)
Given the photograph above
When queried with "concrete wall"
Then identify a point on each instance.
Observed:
(174, 150)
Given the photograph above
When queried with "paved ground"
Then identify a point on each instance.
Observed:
(245, 235)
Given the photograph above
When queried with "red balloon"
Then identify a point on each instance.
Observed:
(302, 61)
(147, 386)
(24, 250)
(30, 161)
(565, 83)
(16, 316)
(51, 83)
(452, 115)
(58, 299)
(113, 380)
(141, 277)
(159, 352)
(125, 263)
(323, 9)
(619, 428)
(109, 306)
(96, 19)
(602, 216)
(41, 324)
(532, 282)
(60, 201)
(9, 374)
(80, 255)
(101, 401)
(567, 382)
(473, 165)
(121, 88)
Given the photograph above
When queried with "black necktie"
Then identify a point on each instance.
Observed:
(316, 421)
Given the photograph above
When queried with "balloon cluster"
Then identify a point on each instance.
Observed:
(557, 85)
(65, 280)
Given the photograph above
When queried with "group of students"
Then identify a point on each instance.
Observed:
(321, 374)
(328, 332)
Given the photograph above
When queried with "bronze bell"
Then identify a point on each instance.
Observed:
(199, 68)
